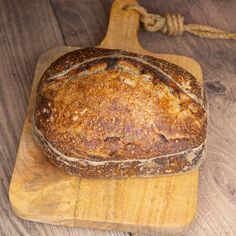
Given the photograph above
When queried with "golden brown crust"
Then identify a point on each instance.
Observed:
(108, 105)
(161, 165)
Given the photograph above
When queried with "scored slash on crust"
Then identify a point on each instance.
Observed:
(61, 74)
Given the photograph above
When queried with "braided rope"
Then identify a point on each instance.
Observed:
(173, 24)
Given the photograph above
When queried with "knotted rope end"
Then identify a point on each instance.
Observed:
(173, 24)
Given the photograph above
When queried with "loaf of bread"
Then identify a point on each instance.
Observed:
(110, 114)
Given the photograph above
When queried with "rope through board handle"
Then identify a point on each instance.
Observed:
(173, 24)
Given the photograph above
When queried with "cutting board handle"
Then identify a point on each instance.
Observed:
(122, 28)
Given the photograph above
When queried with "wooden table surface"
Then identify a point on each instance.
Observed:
(30, 27)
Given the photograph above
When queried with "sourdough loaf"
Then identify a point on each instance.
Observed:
(110, 113)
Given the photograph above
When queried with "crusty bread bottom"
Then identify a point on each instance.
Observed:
(162, 165)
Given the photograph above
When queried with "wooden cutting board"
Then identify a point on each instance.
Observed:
(40, 192)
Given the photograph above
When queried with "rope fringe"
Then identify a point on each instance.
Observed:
(173, 24)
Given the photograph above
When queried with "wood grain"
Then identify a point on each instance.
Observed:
(83, 23)
(217, 210)
(39, 192)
